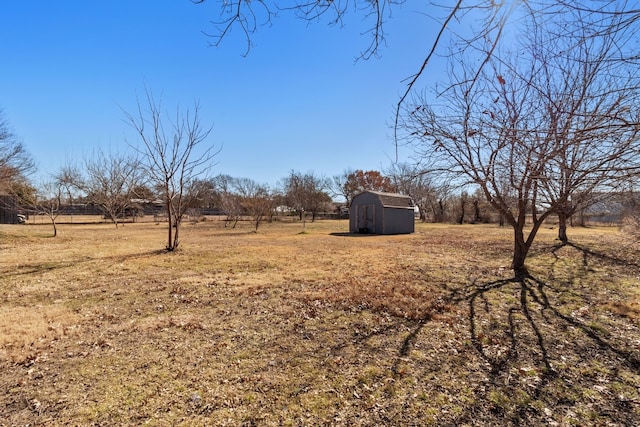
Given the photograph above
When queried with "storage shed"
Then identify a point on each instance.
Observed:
(381, 213)
(8, 210)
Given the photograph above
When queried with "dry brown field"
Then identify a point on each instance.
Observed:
(99, 327)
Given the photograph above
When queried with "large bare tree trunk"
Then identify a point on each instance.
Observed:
(176, 234)
(55, 228)
(520, 251)
(170, 228)
(463, 203)
(562, 227)
(477, 216)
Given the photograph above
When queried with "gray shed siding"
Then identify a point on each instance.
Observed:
(8, 210)
(381, 213)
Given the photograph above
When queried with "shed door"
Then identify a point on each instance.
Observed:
(365, 218)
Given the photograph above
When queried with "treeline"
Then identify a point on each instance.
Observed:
(113, 185)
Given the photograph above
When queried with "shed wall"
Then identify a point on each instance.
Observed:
(365, 215)
(398, 221)
(8, 211)
(368, 215)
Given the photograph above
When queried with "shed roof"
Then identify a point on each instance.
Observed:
(393, 200)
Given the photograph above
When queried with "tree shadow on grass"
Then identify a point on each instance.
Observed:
(546, 357)
(589, 253)
(29, 268)
(539, 349)
(542, 360)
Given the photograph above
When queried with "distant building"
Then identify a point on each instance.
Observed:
(381, 213)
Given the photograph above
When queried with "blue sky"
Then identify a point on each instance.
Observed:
(298, 100)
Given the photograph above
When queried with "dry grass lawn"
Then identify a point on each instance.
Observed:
(282, 327)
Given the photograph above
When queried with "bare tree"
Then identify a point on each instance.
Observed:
(592, 119)
(207, 197)
(306, 193)
(483, 212)
(255, 198)
(464, 22)
(16, 164)
(295, 193)
(631, 212)
(15, 161)
(110, 181)
(50, 202)
(229, 201)
(460, 144)
(45, 199)
(249, 15)
(69, 178)
(428, 193)
(173, 154)
(536, 127)
(339, 188)
(463, 200)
